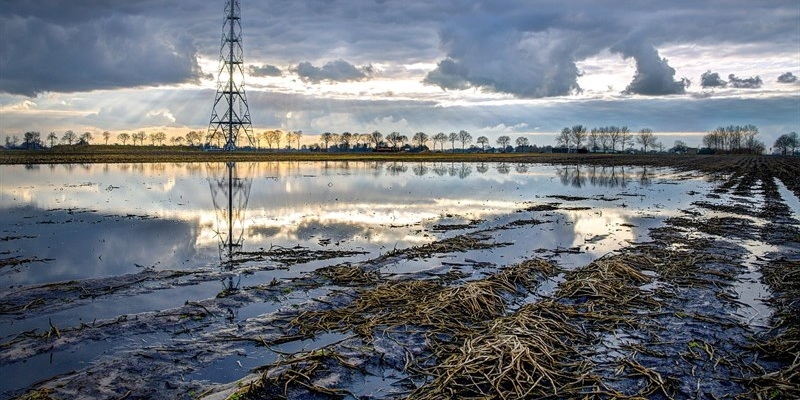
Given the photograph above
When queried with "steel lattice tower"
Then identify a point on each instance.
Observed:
(230, 116)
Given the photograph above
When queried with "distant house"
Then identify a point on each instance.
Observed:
(705, 150)
(691, 150)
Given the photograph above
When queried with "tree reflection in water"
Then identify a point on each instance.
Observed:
(603, 176)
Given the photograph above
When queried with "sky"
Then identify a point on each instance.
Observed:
(514, 67)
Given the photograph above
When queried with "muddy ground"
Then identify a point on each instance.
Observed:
(658, 319)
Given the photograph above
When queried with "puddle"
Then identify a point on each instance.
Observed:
(237, 366)
(751, 292)
(790, 199)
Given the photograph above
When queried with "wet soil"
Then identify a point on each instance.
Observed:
(664, 318)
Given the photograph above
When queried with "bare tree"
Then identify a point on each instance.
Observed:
(614, 136)
(593, 140)
(785, 142)
(290, 138)
(564, 138)
(452, 137)
(625, 136)
(161, 137)
(297, 136)
(123, 137)
(106, 135)
(140, 136)
(326, 138)
(465, 138)
(345, 139)
(605, 138)
(376, 137)
(503, 142)
(483, 141)
(68, 137)
(32, 140)
(392, 138)
(366, 138)
(273, 137)
(578, 133)
(193, 137)
(402, 139)
(421, 138)
(86, 137)
(440, 138)
(523, 142)
(646, 138)
(52, 137)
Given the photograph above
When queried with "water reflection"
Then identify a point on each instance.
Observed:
(151, 215)
(579, 176)
(420, 169)
(230, 192)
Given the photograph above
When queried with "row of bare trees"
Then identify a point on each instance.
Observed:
(734, 139)
(729, 139)
(606, 138)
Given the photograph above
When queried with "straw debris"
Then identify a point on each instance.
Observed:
(455, 244)
(529, 354)
(425, 303)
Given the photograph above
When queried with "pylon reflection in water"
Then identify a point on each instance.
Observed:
(230, 191)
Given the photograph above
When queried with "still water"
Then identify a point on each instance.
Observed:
(105, 220)
(80, 223)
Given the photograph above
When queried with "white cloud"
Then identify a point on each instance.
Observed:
(161, 116)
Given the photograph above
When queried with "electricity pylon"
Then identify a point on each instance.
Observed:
(230, 116)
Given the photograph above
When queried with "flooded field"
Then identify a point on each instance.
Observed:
(384, 280)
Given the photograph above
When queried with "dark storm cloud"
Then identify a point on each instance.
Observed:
(80, 46)
(653, 76)
(745, 83)
(449, 75)
(266, 70)
(787, 78)
(510, 51)
(334, 71)
(711, 79)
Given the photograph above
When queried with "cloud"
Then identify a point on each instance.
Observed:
(653, 76)
(334, 71)
(117, 51)
(495, 56)
(745, 83)
(162, 116)
(23, 105)
(449, 74)
(787, 78)
(266, 70)
(711, 79)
